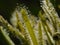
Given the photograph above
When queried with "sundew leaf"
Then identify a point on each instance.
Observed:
(19, 24)
(13, 30)
(29, 27)
(40, 30)
(50, 38)
(6, 37)
(51, 13)
(21, 28)
(45, 21)
(46, 27)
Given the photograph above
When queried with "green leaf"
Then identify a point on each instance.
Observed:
(6, 37)
(28, 26)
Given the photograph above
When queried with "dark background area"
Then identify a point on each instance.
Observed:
(8, 6)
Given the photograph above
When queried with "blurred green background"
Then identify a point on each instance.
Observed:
(7, 7)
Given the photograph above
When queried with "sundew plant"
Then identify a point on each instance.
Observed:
(27, 29)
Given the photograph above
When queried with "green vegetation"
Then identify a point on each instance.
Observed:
(26, 29)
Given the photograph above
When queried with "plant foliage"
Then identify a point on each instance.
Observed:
(27, 29)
